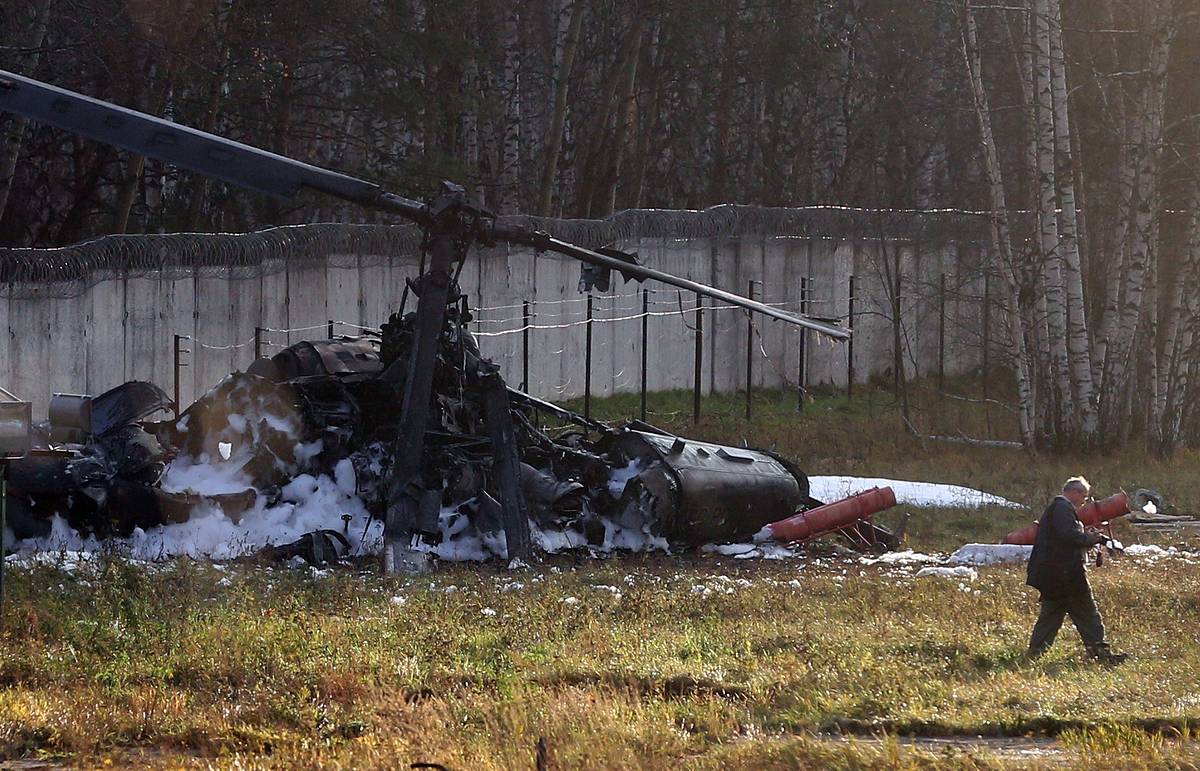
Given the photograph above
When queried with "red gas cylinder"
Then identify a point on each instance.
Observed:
(1091, 515)
(833, 516)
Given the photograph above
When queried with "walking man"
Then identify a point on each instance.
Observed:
(1057, 570)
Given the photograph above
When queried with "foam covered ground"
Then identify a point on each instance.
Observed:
(310, 503)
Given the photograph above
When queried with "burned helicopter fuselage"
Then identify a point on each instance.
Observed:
(318, 404)
(483, 431)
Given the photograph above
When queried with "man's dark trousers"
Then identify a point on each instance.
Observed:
(1082, 609)
(1057, 570)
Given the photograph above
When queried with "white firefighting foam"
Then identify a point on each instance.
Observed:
(310, 503)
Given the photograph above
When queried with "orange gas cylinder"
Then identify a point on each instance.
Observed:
(1091, 515)
(832, 517)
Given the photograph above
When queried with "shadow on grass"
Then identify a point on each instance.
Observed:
(676, 687)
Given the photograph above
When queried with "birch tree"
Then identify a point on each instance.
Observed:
(1181, 346)
(1000, 231)
(1051, 259)
(1147, 147)
(1078, 341)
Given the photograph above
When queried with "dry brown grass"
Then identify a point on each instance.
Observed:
(166, 666)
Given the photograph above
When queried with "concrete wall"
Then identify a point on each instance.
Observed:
(122, 327)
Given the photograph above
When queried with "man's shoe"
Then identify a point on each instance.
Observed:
(1107, 657)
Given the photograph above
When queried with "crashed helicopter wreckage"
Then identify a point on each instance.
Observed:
(416, 444)
(327, 410)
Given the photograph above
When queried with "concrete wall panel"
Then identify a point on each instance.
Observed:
(122, 328)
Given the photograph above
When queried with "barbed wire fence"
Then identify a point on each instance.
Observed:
(553, 345)
(631, 314)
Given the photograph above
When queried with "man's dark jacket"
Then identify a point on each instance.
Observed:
(1056, 566)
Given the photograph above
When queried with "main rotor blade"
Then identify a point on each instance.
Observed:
(540, 240)
(188, 148)
(266, 172)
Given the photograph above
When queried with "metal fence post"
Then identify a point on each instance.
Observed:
(645, 343)
(3, 527)
(802, 353)
(525, 347)
(749, 353)
(258, 343)
(179, 364)
(850, 343)
(699, 357)
(329, 328)
(587, 375)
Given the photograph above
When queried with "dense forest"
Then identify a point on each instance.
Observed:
(1072, 122)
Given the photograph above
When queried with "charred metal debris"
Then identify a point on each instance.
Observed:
(426, 424)
(318, 405)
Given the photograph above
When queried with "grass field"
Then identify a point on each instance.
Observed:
(691, 661)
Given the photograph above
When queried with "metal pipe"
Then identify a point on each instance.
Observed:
(645, 344)
(850, 343)
(749, 353)
(177, 365)
(525, 346)
(698, 358)
(587, 366)
(1091, 514)
(3, 527)
(802, 354)
(831, 517)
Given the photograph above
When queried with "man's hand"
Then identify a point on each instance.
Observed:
(1094, 538)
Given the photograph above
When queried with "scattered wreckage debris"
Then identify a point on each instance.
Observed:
(318, 548)
(331, 407)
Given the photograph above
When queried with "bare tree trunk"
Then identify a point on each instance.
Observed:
(1119, 258)
(1027, 267)
(625, 118)
(1077, 327)
(595, 158)
(555, 134)
(648, 126)
(510, 160)
(723, 108)
(14, 131)
(470, 131)
(1182, 348)
(1001, 243)
(1144, 214)
(1051, 257)
(836, 28)
(127, 193)
(224, 15)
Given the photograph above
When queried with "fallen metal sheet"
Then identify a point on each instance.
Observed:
(125, 404)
